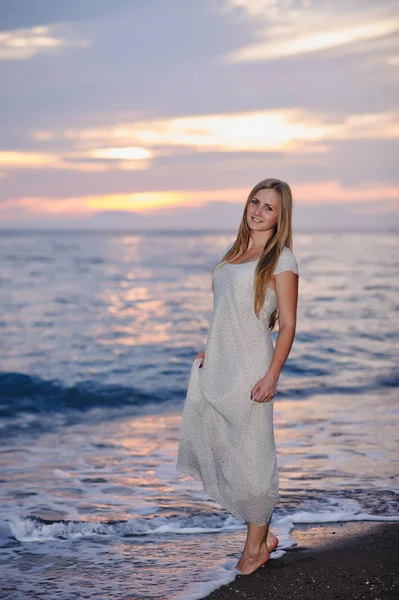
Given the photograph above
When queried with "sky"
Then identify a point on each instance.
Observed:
(163, 114)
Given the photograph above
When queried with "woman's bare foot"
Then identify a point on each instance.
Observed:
(271, 541)
(250, 561)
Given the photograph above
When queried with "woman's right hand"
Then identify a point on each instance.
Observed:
(200, 355)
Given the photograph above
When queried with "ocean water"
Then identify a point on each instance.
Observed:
(97, 335)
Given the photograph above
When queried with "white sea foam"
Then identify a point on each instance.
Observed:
(226, 573)
(34, 530)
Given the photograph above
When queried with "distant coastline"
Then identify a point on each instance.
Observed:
(181, 231)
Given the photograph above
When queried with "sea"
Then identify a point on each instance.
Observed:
(98, 331)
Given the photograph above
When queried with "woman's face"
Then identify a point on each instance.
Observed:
(262, 210)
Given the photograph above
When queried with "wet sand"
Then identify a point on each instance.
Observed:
(340, 561)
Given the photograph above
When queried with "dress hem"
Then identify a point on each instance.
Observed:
(215, 497)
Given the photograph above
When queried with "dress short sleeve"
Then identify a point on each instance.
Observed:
(226, 250)
(220, 256)
(286, 262)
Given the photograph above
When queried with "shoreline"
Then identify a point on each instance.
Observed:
(340, 561)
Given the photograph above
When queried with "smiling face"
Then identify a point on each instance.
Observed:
(262, 210)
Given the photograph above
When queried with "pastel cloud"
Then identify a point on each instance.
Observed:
(10, 160)
(94, 160)
(285, 30)
(312, 42)
(169, 201)
(24, 44)
(164, 201)
(99, 116)
(259, 131)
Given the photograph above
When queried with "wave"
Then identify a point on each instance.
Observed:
(34, 529)
(32, 394)
(23, 393)
(31, 405)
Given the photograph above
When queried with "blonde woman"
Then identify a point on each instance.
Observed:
(226, 435)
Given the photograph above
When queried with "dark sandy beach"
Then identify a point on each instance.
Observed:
(340, 561)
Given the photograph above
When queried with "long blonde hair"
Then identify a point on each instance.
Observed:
(281, 236)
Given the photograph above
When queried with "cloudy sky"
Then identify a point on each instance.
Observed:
(165, 113)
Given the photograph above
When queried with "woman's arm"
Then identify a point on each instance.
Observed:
(287, 298)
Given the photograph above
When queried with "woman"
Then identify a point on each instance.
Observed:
(226, 436)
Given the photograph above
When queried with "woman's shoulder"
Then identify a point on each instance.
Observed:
(286, 262)
(226, 249)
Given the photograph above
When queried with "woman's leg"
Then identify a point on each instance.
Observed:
(271, 539)
(255, 551)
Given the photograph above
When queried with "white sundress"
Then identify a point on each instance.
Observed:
(227, 439)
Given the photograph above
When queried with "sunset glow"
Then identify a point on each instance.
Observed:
(98, 117)
(259, 131)
(166, 201)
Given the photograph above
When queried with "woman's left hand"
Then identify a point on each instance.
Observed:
(265, 389)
